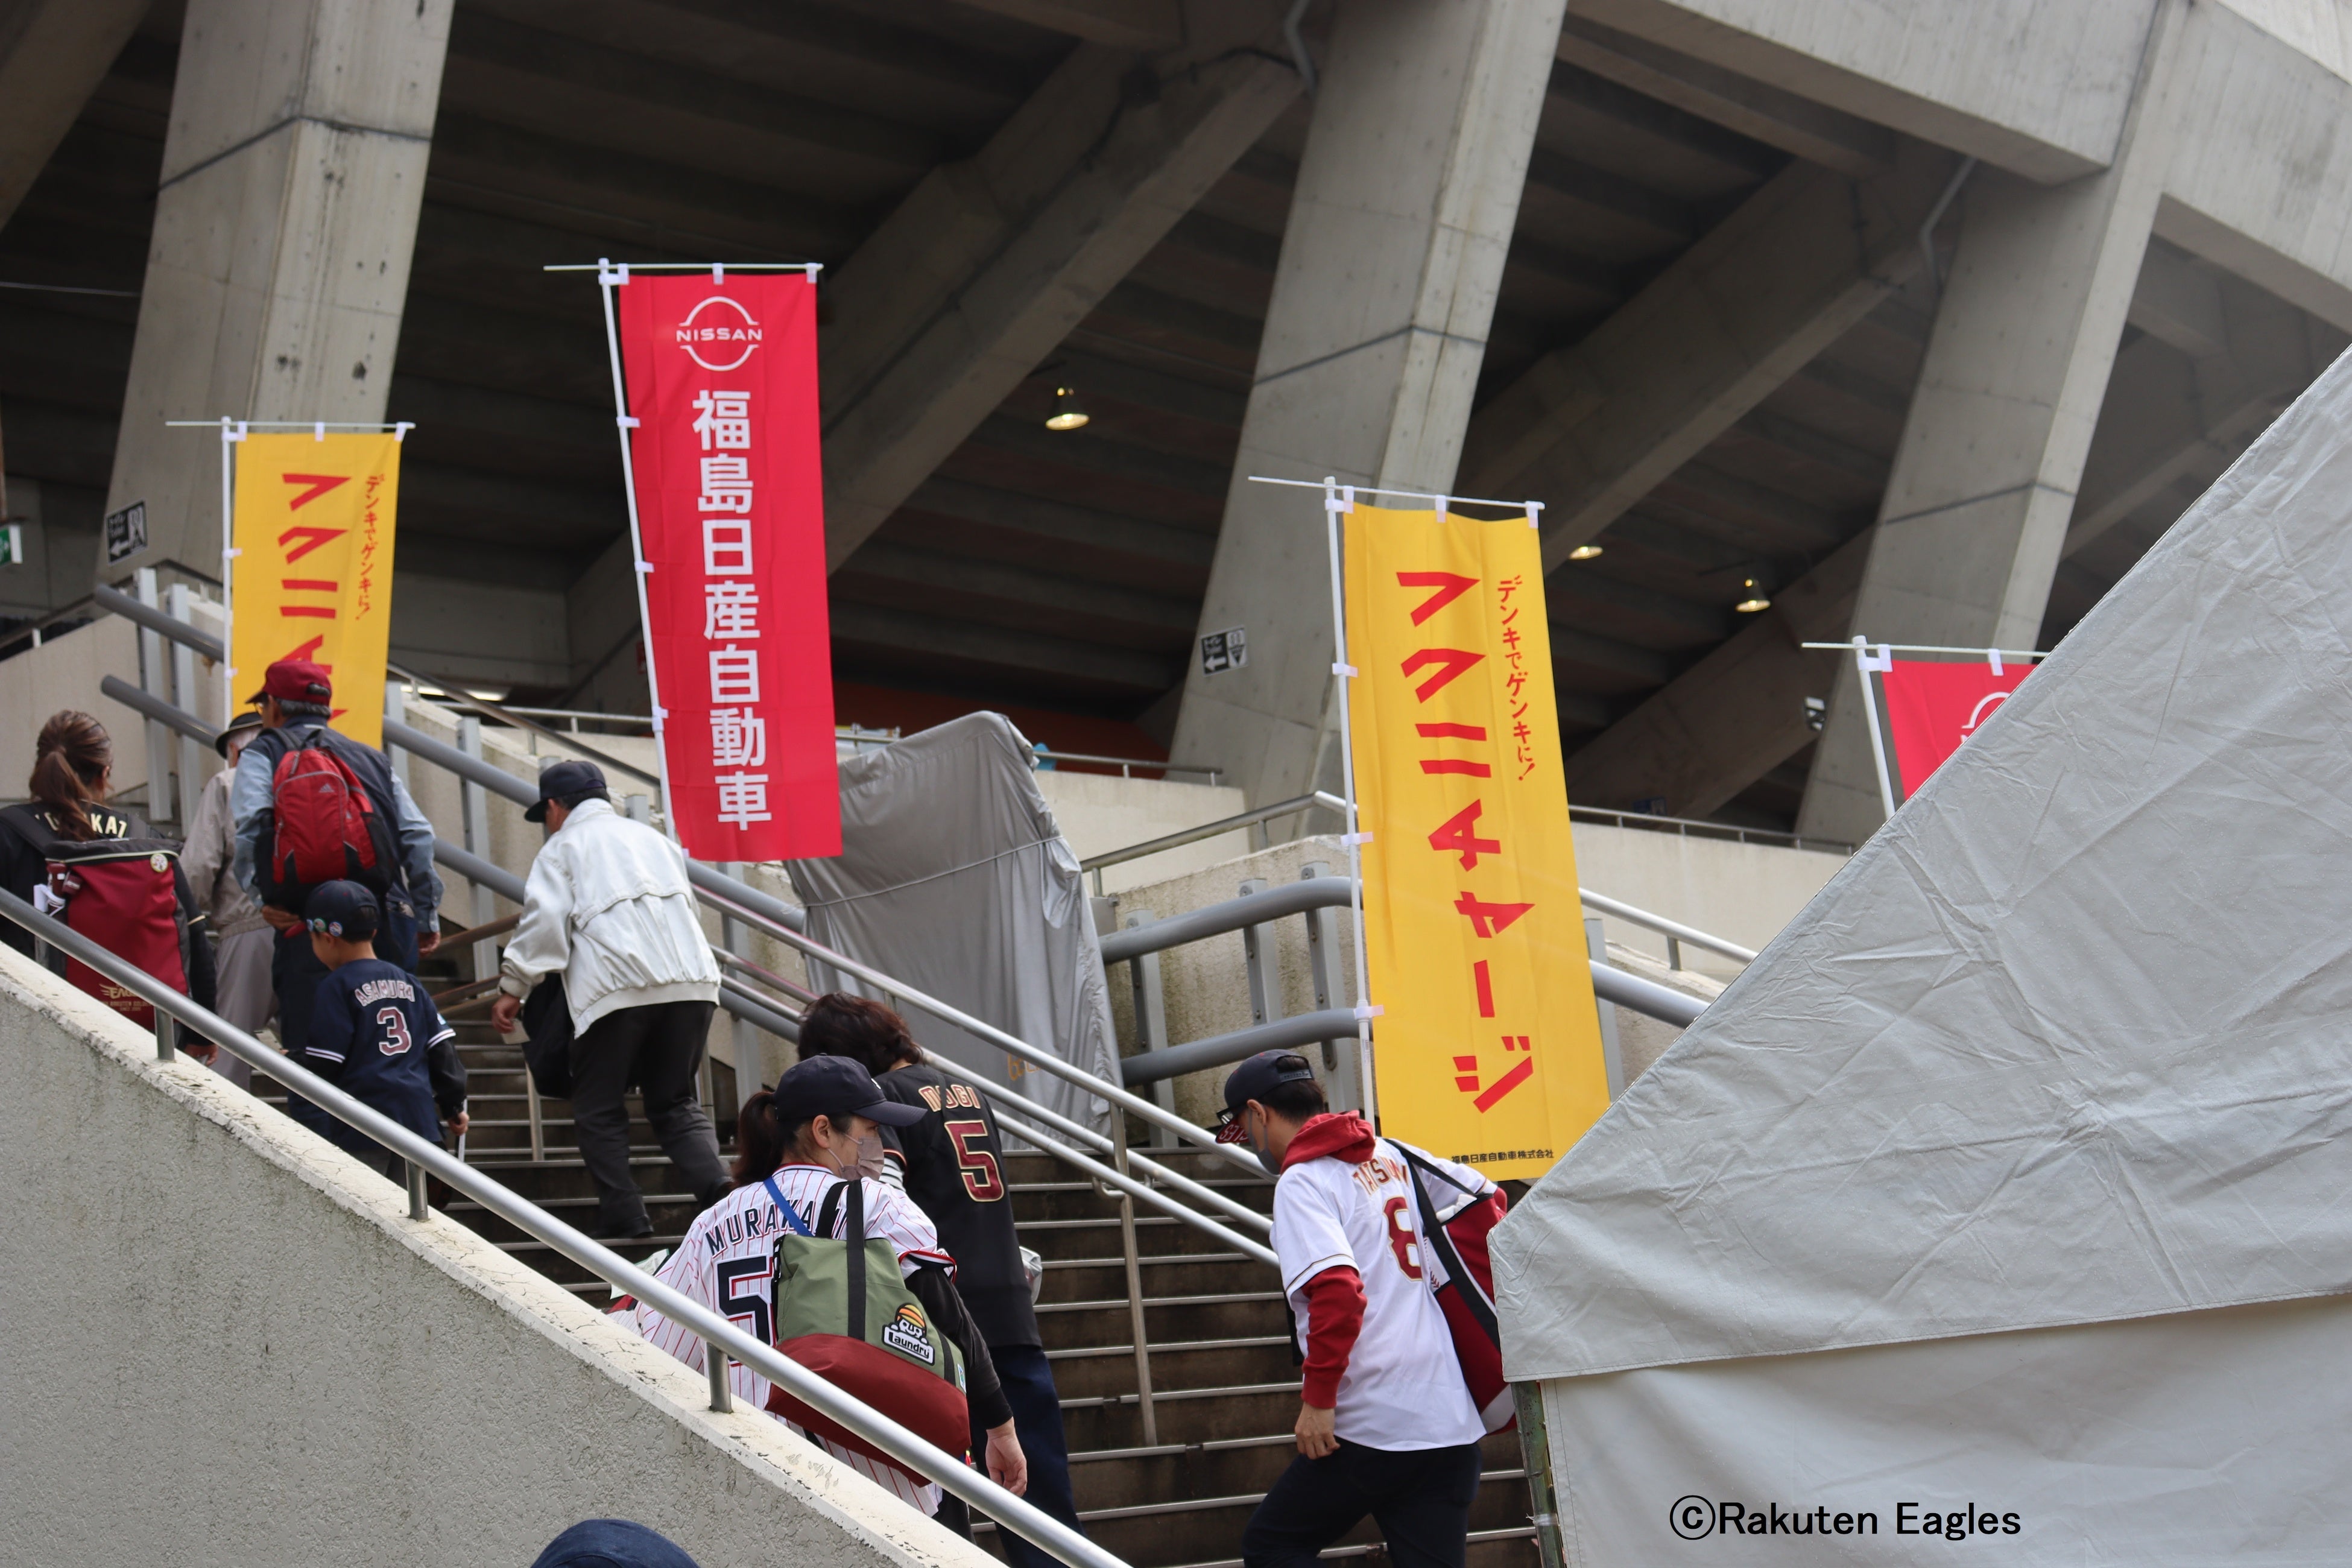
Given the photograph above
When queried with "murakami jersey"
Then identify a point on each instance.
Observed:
(1403, 1387)
(727, 1258)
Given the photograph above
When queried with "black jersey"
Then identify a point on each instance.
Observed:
(376, 1034)
(952, 1165)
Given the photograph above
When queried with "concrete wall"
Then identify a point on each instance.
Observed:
(1742, 892)
(64, 672)
(238, 1350)
(1098, 812)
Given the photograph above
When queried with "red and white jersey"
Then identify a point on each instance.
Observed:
(728, 1259)
(1404, 1386)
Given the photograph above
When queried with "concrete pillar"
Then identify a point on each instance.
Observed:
(1976, 510)
(52, 54)
(293, 172)
(1406, 198)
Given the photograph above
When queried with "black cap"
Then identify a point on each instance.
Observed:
(561, 781)
(1255, 1080)
(837, 1087)
(344, 910)
(244, 723)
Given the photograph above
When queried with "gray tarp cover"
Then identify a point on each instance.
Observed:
(955, 878)
(2069, 1041)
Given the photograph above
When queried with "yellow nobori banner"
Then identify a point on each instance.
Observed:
(1487, 1047)
(312, 573)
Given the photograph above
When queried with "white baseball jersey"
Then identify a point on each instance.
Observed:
(1404, 1386)
(726, 1261)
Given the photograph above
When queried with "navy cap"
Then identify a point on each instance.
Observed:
(1255, 1080)
(612, 1543)
(344, 910)
(837, 1087)
(561, 781)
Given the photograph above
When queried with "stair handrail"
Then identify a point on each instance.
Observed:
(721, 1339)
(759, 910)
(1665, 926)
(1224, 824)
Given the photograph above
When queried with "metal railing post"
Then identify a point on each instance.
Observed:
(166, 1046)
(474, 802)
(1151, 1021)
(750, 1063)
(1322, 942)
(192, 772)
(1134, 1285)
(154, 682)
(714, 1367)
(1596, 946)
(1535, 1456)
(1674, 953)
(416, 1209)
(530, 1109)
(1258, 963)
(395, 708)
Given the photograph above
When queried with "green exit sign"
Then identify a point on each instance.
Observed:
(12, 544)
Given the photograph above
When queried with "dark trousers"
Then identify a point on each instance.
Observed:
(1421, 1497)
(295, 971)
(657, 1048)
(1027, 1378)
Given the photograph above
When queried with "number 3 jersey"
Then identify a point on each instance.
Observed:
(951, 1163)
(374, 1032)
(1354, 1208)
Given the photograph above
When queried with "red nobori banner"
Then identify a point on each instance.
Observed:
(1931, 709)
(731, 510)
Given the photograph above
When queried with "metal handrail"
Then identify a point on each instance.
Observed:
(1684, 826)
(1211, 829)
(1122, 764)
(1231, 915)
(1665, 926)
(721, 1339)
(156, 620)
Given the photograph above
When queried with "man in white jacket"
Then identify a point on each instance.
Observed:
(609, 907)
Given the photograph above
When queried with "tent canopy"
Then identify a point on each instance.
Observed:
(2069, 1041)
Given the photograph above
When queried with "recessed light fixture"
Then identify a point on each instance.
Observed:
(1584, 553)
(1067, 414)
(1752, 597)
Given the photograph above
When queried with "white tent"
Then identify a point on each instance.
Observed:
(2015, 1177)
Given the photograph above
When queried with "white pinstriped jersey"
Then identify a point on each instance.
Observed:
(725, 1264)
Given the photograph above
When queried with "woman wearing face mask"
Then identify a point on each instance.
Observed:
(816, 1128)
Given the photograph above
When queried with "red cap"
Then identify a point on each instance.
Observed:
(295, 680)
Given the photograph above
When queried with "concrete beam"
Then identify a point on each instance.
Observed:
(293, 172)
(990, 263)
(2179, 300)
(920, 578)
(53, 54)
(1769, 114)
(905, 633)
(1398, 226)
(2039, 90)
(1735, 715)
(1591, 429)
(1976, 512)
(1123, 24)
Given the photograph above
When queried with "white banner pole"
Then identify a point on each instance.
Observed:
(1864, 663)
(1338, 499)
(231, 433)
(609, 277)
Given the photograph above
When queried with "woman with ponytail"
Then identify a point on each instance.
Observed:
(55, 843)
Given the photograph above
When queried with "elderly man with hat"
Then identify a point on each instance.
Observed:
(241, 962)
(609, 908)
(296, 700)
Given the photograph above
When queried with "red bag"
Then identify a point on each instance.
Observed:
(322, 826)
(123, 894)
(1468, 1297)
(923, 1402)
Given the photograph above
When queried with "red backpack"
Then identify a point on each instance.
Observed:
(123, 894)
(1468, 1297)
(320, 825)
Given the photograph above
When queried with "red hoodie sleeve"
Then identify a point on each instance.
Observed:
(1335, 1316)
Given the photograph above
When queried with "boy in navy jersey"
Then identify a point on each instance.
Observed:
(375, 1032)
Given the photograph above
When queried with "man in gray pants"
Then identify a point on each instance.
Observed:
(609, 907)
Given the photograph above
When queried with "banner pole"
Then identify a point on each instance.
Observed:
(1864, 664)
(231, 433)
(1342, 673)
(609, 277)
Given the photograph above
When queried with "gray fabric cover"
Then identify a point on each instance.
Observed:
(2065, 1043)
(955, 878)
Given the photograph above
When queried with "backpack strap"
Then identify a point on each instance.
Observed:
(855, 1236)
(1480, 1312)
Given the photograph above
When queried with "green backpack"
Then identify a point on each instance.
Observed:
(841, 1308)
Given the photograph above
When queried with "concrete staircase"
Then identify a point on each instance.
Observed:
(1225, 1388)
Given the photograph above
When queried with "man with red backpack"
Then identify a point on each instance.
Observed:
(313, 806)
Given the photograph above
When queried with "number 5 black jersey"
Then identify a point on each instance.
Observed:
(951, 1165)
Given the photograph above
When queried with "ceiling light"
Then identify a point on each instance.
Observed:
(1752, 597)
(1067, 414)
(1584, 553)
